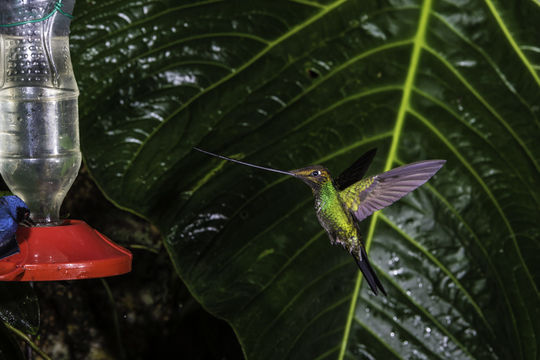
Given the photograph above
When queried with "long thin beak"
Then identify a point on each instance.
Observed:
(245, 163)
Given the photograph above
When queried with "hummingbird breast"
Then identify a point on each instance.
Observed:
(334, 217)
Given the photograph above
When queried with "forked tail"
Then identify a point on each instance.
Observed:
(368, 272)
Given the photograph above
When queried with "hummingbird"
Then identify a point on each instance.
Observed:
(342, 202)
(13, 211)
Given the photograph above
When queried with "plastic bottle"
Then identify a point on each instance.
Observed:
(39, 125)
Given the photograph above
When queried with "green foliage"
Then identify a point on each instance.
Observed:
(291, 83)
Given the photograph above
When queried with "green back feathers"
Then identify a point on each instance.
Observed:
(352, 196)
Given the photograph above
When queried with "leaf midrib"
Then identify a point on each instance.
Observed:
(418, 44)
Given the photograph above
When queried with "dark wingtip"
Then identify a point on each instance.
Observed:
(356, 171)
(382, 290)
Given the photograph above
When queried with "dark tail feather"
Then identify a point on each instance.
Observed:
(9, 248)
(368, 272)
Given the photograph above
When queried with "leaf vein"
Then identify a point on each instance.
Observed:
(314, 319)
(484, 187)
(484, 102)
(378, 338)
(424, 311)
(139, 21)
(511, 40)
(481, 136)
(283, 267)
(403, 329)
(297, 296)
(418, 42)
(434, 260)
(492, 267)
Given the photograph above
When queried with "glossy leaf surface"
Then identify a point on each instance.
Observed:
(291, 83)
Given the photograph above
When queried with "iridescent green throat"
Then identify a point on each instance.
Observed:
(332, 212)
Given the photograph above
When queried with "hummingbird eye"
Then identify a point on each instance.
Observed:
(315, 173)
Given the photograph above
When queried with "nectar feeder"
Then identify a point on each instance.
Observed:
(39, 146)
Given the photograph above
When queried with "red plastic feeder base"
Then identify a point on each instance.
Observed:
(71, 251)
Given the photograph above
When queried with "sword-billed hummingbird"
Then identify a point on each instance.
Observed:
(343, 202)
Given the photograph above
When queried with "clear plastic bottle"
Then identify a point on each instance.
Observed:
(39, 125)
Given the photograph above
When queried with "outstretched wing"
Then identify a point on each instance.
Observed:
(366, 196)
(356, 171)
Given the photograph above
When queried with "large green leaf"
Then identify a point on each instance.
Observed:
(292, 83)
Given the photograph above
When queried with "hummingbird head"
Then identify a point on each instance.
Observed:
(315, 176)
(17, 209)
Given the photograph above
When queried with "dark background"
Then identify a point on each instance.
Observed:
(156, 314)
